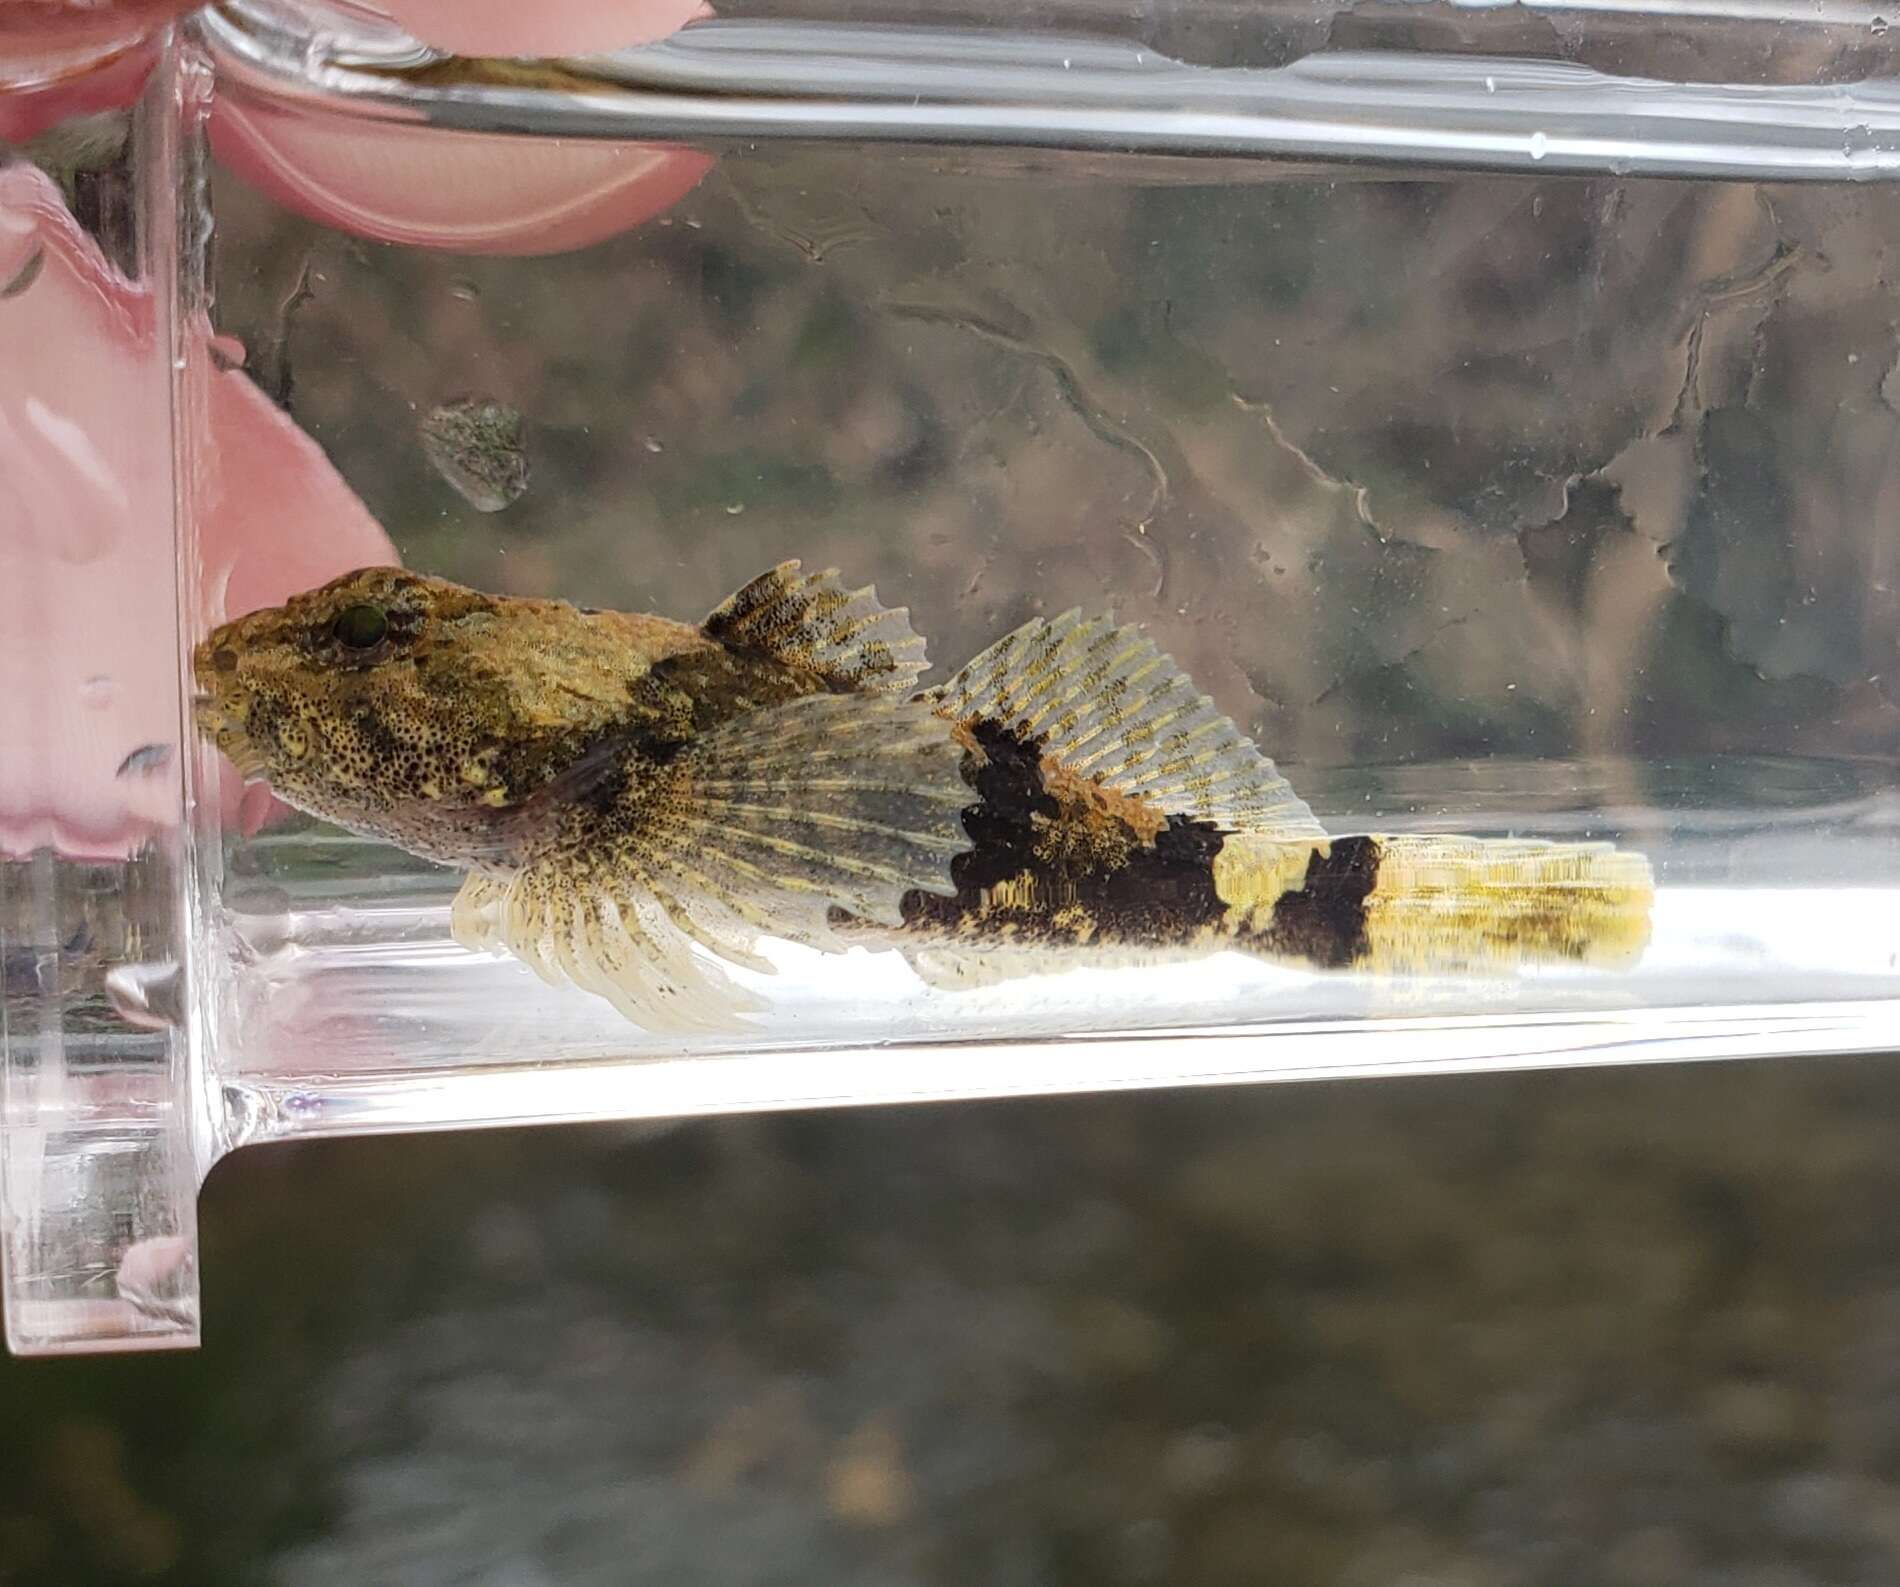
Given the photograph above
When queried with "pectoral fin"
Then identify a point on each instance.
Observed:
(763, 828)
(628, 952)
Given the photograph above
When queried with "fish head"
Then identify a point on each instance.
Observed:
(377, 701)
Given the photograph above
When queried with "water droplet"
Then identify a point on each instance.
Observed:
(1490, 85)
(1540, 145)
(475, 443)
(733, 509)
(1877, 26)
(464, 290)
(652, 444)
(98, 691)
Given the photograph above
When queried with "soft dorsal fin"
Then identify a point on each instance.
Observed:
(811, 620)
(1107, 705)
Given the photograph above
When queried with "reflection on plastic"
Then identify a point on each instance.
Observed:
(86, 554)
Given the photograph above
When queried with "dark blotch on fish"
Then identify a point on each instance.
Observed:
(1324, 922)
(1160, 892)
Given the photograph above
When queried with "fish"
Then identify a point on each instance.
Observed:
(637, 801)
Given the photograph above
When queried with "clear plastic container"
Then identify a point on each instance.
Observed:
(1495, 411)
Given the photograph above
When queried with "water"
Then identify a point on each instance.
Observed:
(1524, 480)
(357, 1012)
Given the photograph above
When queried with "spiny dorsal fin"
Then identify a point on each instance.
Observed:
(811, 620)
(761, 828)
(1109, 706)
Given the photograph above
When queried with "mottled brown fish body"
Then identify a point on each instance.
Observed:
(621, 789)
(458, 704)
(465, 705)
(626, 791)
(1058, 864)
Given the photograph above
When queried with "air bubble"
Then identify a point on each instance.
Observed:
(1860, 148)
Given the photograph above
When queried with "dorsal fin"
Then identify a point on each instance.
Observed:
(1107, 705)
(811, 620)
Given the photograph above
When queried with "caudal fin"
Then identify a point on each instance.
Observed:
(1449, 903)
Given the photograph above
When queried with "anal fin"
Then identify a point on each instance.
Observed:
(963, 967)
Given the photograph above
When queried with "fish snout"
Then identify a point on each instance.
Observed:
(214, 669)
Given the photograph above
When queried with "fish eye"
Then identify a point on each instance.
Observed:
(360, 627)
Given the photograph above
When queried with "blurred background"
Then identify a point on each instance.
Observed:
(1637, 1328)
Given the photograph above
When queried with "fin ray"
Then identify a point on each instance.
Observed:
(884, 819)
(960, 967)
(1463, 904)
(629, 952)
(848, 637)
(622, 915)
(1107, 704)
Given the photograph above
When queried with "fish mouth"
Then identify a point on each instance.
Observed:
(221, 706)
(217, 721)
(208, 714)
